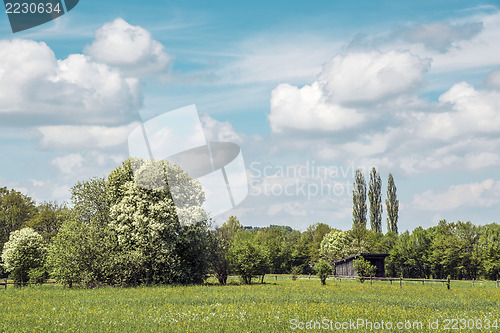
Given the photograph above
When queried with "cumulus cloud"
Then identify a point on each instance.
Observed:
(306, 109)
(67, 164)
(36, 88)
(130, 48)
(439, 36)
(472, 112)
(346, 84)
(371, 76)
(483, 194)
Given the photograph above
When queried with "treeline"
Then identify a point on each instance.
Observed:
(120, 232)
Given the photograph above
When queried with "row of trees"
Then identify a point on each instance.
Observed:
(125, 230)
(359, 209)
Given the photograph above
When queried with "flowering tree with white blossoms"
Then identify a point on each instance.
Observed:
(24, 252)
(157, 246)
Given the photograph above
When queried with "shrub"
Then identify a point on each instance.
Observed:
(24, 251)
(364, 268)
(322, 269)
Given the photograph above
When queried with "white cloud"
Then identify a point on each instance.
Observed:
(476, 195)
(336, 100)
(37, 88)
(81, 137)
(67, 164)
(305, 108)
(216, 131)
(130, 48)
(371, 76)
(480, 51)
(473, 112)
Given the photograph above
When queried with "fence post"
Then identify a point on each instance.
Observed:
(497, 283)
(370, 280)
(442, 283)
(276, 278)
(400, 282)
(5, 281)
(473, 282)
(309, 276)
(422, 282)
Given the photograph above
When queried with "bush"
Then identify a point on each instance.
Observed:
(322, 269)
(24, 251)
(296, 270)
(364, 268)
(38, 275)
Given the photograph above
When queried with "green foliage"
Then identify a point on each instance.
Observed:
(322, 269)
(392, 205)
(48, 219)
(82, 253)
(295, 271)
(247, 258)
(16, 210)
(24, 251)
(411, 254)
(375, 198)
(364, 268)
(220, 240)
(38, 275)
(489, 251)
(359, 201)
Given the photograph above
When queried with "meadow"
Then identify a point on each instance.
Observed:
(275, 306)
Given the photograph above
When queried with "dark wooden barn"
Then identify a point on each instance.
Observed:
(345, 267)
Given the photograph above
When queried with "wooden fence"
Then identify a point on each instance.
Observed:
(5, 282)
(400, 280)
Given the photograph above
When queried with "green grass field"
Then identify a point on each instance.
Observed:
(276, 306)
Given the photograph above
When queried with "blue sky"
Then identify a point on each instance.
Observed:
(310, 92)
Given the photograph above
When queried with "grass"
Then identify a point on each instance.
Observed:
(268, 307)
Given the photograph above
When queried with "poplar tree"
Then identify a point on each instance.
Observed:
(359, 201)
(375, 198)
(392, 205)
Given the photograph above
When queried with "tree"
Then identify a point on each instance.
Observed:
(316, 232)
(375, 198)
(322, 269)
(91, 200)
(364, 268)
(455, 250)
(23, 252)
(48, 219)
(219, 244)
(333, 246)
(359, 201)
(16, 209)
(489, 251)
(411, 254)
(392, 205)
(247, 258)
(154, 246)
(84, 252)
